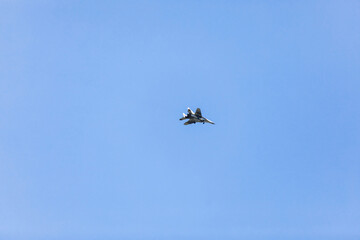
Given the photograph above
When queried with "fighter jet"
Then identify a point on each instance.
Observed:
(194, 117)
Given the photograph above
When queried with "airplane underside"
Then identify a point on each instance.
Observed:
(193, 121)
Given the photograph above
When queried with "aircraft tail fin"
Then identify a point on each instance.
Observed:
(190, 111)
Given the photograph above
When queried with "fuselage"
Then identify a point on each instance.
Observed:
(195, 118)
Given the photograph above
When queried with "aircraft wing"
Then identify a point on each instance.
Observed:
(189, 122)
(207, 120)
(198, 112)
(184, 117)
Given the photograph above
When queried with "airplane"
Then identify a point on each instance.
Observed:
(194, 117)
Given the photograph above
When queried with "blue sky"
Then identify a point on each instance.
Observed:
(90, 142)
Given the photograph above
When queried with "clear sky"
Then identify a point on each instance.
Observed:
(91, 146)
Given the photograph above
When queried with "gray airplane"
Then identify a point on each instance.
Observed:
(194, 117)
